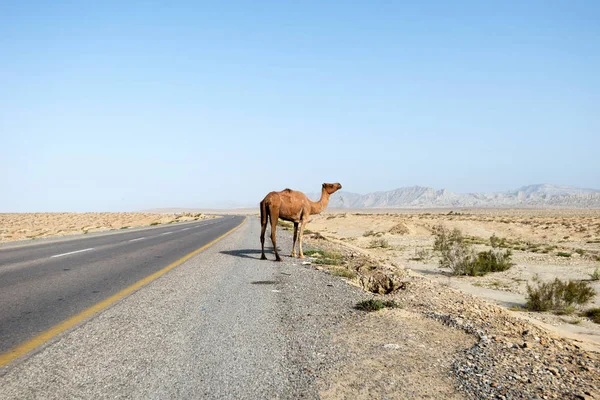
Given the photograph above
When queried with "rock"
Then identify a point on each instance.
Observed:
(399, 229)
(391, 346)
(381, 283)
(554, 371)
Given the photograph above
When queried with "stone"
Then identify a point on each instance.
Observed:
(553, 370)
(381, 283)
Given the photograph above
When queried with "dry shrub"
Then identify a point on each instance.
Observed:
(460, 258)
(558, 295)
(593, 314)
(382, 243)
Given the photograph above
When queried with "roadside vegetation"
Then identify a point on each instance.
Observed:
(324, 257)
(375, 305)
(286, 225)
(344, 273)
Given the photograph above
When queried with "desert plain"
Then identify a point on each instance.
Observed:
(545, 244)
(31, 226)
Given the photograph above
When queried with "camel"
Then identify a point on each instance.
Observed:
(293, 206)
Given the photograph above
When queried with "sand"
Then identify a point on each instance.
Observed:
(31, 226)
(545, 243)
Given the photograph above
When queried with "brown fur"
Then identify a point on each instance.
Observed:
(293, 206)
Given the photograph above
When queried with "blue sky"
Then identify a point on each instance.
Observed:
(116, 106)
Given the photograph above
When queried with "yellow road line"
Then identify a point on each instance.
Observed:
(43, 337)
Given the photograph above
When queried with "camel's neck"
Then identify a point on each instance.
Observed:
(317, 207)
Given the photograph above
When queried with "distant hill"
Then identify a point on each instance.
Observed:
(543, 195)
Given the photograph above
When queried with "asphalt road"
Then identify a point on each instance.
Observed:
(46, 283)
(222, 325)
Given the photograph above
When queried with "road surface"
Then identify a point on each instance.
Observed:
(221, 325)
(44, 284)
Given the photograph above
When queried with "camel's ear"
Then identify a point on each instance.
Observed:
(324, 184)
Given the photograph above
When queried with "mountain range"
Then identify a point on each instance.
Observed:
(542, 196)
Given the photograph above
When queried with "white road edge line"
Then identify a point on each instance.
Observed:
(135, 240)
(185, 229)
(72, 252)
(166, 233)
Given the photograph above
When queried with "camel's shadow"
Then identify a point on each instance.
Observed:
(247, 253)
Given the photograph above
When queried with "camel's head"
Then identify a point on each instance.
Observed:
(331, 188)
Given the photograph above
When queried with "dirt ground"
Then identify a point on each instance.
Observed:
(31, 226)
(409, 355)
(545, 244)
(425, 349)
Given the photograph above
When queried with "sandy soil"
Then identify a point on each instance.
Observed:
(30, 226)
(545, 243)
(397, 368)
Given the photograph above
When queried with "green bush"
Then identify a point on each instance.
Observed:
(285, 224)
(462, 260)
(593, 314)
(558, 296)
(374, 305)
(445, 238)
(313, 252)
(563, 254)
(459, 257)
(327, 261)
(494, 241)
(324, 257)
(492, 261)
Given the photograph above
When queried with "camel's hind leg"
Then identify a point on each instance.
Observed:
(274, 220)
(264, 219)
(263, 228)
(295, 237)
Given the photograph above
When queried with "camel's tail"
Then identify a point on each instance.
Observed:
(264, 214)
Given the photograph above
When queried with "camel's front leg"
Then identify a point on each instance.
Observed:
(274, 237)
(302, 225)
(295, 237)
